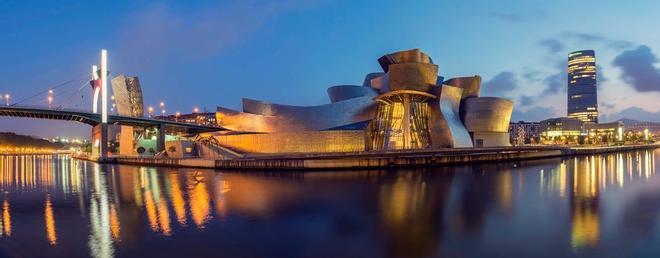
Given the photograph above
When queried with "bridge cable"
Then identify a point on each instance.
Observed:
(55, 87)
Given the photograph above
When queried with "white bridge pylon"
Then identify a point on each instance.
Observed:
(100, 85)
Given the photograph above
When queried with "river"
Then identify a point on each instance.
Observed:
(587, 206)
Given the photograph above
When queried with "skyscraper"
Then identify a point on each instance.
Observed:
(582, 98)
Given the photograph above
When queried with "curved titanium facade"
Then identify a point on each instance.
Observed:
(405, 107)
(369, 77)
(471, 85)
(413, 76)
(487, 114)
(487, 120)
(450, 100)
(344, 92)
(266, 117)
(406, 56)
(582, 97)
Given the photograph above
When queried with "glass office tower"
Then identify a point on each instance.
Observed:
(582, 98)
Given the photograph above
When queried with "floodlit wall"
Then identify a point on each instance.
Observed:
(295, 142)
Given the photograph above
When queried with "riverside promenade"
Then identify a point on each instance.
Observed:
(380, 159)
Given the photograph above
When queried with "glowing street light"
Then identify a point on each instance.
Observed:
(7, 96)
(646, 134)
(196, 110)
(50, 98)
(150, 110)
(176, 116)
(163, 112)
(162, 104)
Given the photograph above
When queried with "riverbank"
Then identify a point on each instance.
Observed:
(380, 159)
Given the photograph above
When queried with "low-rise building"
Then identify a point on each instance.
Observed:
(561, 130)
(522, 132)
(203, 118)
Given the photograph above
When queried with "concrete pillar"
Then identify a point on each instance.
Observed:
(100, 141)
(126, 141)
(160, 139)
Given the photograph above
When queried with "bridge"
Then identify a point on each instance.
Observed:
(100, 120)
(94, 119)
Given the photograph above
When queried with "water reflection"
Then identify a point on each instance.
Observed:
(587, 177)
(467, 210)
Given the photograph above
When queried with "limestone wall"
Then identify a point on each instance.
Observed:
(295, 142)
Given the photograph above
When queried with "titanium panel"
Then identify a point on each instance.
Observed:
(344, 92)
(267, 117)
(406, 56)
(471, 85)
(487, 114)
(413, 76)
(450, 99)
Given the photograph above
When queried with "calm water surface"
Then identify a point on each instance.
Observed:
(592, 206)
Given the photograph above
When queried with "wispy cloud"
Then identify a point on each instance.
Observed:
(500, 84)
(553, 45)
(598, 38)
(520, 15)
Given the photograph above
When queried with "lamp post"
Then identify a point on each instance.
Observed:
(196, 110)
(176, 116)
(7, 96)
(50, 98)
(150, 110)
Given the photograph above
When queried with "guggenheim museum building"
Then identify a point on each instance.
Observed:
(406, 106)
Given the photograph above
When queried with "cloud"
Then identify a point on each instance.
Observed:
(606, 105)
(520, 16)
(638, 69)
(553, 45)
(588, 37)
(526, 100)
(532, 75)
(598, 38)
(159, 33)
(634, 113)
(557, 82)
(532, 114)
(554, 84)
(500, 84)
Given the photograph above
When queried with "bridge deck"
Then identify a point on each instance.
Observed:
(93, 119)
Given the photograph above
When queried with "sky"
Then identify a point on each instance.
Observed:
(213, 53)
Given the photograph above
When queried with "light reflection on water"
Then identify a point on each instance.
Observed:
(587, 206)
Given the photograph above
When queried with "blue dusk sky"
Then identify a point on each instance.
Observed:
(210, 53)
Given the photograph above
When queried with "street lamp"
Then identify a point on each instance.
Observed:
(50, 98)
(196, 110)
(7, 96)
(150, 110)
(163, 112)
